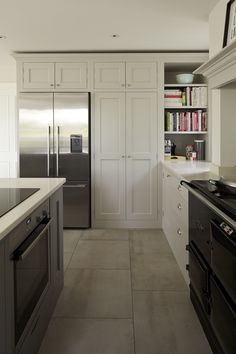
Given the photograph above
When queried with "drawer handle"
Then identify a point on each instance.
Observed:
(179, 232)
(179, 188)
(179, 206)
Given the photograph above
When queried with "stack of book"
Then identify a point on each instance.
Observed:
(188, 96)
(186, 121)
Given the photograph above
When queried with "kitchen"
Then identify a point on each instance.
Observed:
(124, 265)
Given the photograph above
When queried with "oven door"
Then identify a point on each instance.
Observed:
(31, 274)
(223, 318)
(199, 277)
(223, 256)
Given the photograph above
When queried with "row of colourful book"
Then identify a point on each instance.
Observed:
(188, 96)
(186, 121)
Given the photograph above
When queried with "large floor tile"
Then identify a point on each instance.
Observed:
(149, 241)
(156, 271)
(90, 293)
(76, 336)
(165, 323)
(67, 258)
(71, 238)
(101, 254)
(113, 235)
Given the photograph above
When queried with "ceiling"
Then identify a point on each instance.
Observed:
(88, 25)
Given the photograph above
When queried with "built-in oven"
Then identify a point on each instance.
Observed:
(31, 270)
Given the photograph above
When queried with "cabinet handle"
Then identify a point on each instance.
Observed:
(179, 206)
(179, 232)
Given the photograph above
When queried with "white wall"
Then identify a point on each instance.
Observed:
(7, 73)
(217, 25)
(8, 154)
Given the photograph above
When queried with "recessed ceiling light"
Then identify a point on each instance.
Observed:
(2, 36)
(115, 35)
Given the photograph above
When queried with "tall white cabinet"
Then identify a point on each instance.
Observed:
(126, 159)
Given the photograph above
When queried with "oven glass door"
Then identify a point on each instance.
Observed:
(31, 275)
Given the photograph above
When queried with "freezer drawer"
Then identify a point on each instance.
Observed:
(76, 205)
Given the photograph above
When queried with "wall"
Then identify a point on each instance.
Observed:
(216, 27)
(7, 73)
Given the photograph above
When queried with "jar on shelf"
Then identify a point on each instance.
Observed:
(189, 150)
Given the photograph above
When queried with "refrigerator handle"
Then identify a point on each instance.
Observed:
(48, 153)
(58, 151)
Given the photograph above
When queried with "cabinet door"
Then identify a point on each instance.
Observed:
(110, 156)
(109, 75)
(141, 75)
(141, 161)
(38, 75)
(71, 75)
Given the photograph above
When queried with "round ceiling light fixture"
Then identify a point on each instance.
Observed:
(2, 36)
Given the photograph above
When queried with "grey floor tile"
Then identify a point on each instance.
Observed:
(165, 323)
(149, 241)
(67, 258)
(76, 336)
(156, 271)
(91, 293)
(101, 254)
(71, 238)
(113, 235)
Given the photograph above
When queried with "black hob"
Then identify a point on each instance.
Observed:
(220, 197)
(11, 197)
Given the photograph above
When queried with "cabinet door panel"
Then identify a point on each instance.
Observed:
(109, 156)
(141, 75)
(71, 75)
(109, 75)
(38, 75)
(141, 147)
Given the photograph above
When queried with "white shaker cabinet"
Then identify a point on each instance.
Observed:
(175, 218)
(125, 157)
(55, 76)
(121, 75)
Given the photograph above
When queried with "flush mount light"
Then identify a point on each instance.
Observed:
(115, 35)
(2, 36)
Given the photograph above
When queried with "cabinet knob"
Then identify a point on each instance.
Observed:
(123, 85)
(58, 84)
(168, 175)
(179, 206)
(51, 84)
(179, 232)
(179, 187)
(123, 156)
(128, 85)
(129, 157)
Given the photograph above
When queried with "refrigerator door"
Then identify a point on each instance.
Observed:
(76, 205)
(36, 134)
(71, 119)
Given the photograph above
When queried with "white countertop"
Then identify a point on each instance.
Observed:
(47, 187)
(189, 170)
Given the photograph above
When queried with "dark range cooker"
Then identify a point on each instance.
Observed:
(212, 260)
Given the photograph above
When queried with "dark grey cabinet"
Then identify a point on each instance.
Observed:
(36, 326)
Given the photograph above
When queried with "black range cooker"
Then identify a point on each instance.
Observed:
(212, 260)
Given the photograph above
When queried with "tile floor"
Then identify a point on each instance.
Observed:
(123, 294)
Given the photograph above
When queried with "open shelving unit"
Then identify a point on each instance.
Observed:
(186, 137)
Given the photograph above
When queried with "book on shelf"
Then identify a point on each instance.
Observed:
(186, 121)
(188, 96)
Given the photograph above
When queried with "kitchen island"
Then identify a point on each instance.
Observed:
(31, 262)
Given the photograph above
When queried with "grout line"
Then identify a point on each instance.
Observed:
(97, 268)
(94, 318)
(161, 291)
(131, 288)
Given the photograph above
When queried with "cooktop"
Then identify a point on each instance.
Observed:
(11, 197)
(219, 196)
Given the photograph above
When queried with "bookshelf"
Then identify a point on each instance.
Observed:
(185, 122)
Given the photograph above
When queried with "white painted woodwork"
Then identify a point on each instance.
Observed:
(38, 75)
(175, 218)
(8, 155)
(109, 156)
(71, 75)
(141, 161)
(141, 75)
(109, 75)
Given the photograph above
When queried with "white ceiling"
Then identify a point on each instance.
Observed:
(88, 25)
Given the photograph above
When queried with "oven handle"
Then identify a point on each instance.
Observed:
(225, 217)
(20, 256)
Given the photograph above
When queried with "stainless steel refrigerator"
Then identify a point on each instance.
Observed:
(54, 139)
